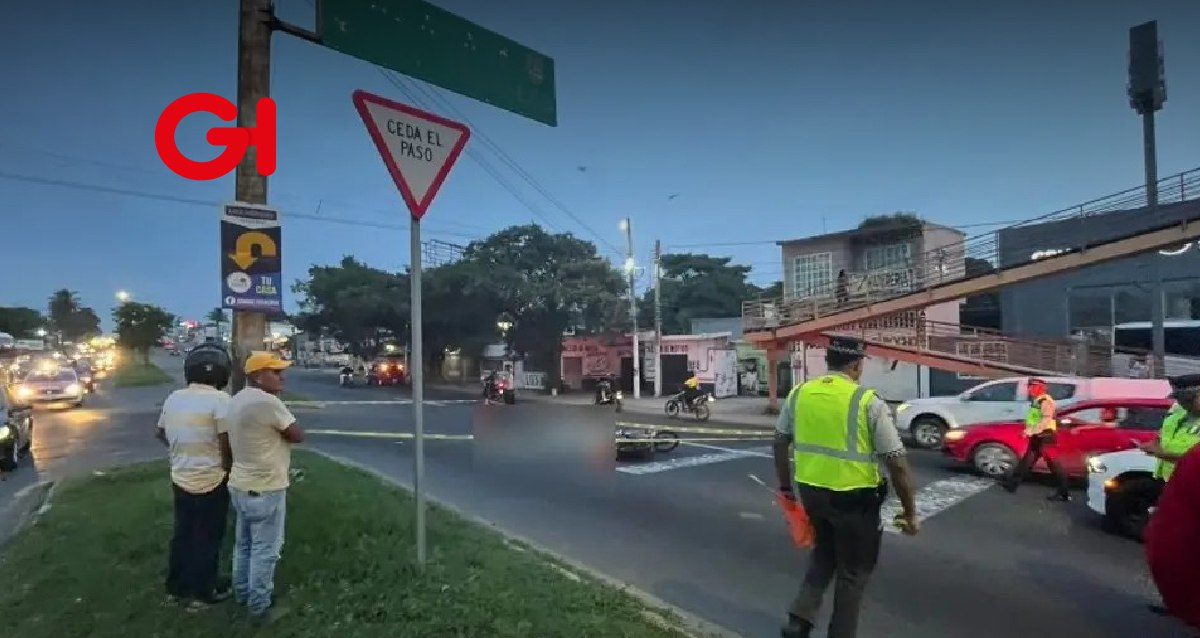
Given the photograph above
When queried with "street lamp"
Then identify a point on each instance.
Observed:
(505, 323)
(630, 268)
(123, 296)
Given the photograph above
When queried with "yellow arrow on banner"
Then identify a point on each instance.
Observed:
(243, 251)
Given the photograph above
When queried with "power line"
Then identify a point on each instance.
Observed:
(211, 205)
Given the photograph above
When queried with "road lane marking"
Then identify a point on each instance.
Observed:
(393, 435)
(763, 452)
(433, 402)
(936, 498)
(764, 432)
(680, 463)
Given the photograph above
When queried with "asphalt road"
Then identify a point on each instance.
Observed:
(690, 527)
(693, 529)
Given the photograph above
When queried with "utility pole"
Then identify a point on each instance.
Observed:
(253, 84)
(627, 226)
(658, 334)
(1147, 92)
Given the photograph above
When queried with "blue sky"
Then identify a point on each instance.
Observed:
(767, 120)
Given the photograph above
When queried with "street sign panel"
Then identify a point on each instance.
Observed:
(418, 147)
(251, 258)
(426, 42)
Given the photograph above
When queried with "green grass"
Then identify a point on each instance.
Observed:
(93, 566)
(136, 373)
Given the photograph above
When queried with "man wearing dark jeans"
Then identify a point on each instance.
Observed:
(192, 426)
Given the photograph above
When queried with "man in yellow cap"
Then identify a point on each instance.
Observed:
(261, 433)
(838, 433)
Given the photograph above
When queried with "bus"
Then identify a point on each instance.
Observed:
(1182, 337)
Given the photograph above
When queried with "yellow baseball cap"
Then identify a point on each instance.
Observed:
(262, 360)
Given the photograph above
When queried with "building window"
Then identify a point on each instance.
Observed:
(812, 274)
(887, 257)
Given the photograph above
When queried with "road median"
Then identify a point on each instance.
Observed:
(347, 569)
(135, 374)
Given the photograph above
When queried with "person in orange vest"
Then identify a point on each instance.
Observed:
(1041, 427)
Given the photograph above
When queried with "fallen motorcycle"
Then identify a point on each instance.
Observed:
(644, 442)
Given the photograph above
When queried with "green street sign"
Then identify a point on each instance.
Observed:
(420, 40)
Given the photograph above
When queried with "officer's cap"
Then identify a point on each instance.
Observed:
(847, 348)
(1184, 383)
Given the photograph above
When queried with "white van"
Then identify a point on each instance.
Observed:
(925, 421)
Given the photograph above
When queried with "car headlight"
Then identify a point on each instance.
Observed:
(954, 435)
(1096, 466)
(24, 391)
(902, 407)
(4, 431)
(619, 395)
(72, 389)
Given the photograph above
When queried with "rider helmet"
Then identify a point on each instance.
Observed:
(208, 364)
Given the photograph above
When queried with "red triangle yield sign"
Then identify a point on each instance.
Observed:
(418, 147)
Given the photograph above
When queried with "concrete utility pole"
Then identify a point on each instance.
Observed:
(627, 226)
(658, 333)
(1147, 91)
(253, 84)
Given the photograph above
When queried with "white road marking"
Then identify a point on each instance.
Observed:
(720, 456)
(936, 498)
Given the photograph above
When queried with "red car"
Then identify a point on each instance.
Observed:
(1085, 428)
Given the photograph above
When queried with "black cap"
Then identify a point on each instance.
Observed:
(1184, 383)
(847, 348)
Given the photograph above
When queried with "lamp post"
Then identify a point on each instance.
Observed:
(504, 323)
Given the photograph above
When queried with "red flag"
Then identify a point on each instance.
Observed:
(797, 519)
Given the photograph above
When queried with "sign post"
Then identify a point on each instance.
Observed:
(419, 149)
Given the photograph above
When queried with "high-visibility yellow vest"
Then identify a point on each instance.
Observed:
(832, 439)
(1034, 416)
(1179, 434)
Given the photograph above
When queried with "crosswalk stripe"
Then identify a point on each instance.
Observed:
(936, 498)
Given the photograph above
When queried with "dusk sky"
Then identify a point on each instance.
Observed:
(765, 119)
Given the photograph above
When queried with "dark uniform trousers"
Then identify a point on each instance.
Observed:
(848, 535)
(200, 521)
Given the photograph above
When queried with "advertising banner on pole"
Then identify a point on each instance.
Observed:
(251, 259)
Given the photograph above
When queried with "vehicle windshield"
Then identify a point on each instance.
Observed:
(61, 375)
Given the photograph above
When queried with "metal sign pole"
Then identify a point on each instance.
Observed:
(416, 366)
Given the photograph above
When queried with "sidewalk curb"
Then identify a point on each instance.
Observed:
(685, 622)
(28, 504)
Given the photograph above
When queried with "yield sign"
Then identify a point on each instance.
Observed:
(418, 147)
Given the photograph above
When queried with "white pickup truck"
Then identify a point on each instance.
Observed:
(1121, 489)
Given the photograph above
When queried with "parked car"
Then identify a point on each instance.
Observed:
(16, 430)
(925, 421)
(1122, 489)
(1084, 430)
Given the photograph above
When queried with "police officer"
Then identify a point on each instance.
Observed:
(1180, 432)
(838, 432)
(1041, 428)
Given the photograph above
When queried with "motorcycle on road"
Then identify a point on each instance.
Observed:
(699, 406)
(606, 395)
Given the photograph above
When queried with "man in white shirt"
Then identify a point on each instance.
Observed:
(192, 426)
(261, 433)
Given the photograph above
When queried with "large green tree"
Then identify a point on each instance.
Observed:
(71, 319)
(354, 303)
(699, 285)
(141, 326)
(547, 282)
(21, 322)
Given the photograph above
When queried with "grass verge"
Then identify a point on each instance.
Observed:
(93, 566)
(135, 373)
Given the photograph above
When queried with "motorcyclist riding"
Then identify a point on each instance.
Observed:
(691, 391)
(489, 386)
(346, 377)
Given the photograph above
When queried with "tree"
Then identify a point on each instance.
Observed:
(982, 310)
(547, 282)
(140, 326)
(20, 322)
(72, 320)
(354, 303)
(216, 315)
(698, 285)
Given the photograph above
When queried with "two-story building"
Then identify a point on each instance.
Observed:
(889, 258)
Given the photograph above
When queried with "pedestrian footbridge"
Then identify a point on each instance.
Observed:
(886, 313)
